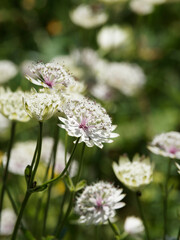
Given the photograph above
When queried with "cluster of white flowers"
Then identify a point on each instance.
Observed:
(112, 37)
(11, 105)
(8, 70)
(88, 121)
(47, 145)
(135, 174)
(92, 16)
(8, 219)
(144, 7)
(98, 203)
(41, 105)
(166, 144)
(133, 225)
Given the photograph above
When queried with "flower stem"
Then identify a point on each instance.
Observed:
(72, 194)
(13, 126)
(56, 139)
(165, 201)
(115, 229)
(31, 182)
(138, 194)
(178, 236)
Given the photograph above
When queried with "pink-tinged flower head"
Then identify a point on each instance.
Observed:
(89, 121)
(50, 75)
(98, 203)
(166, 144)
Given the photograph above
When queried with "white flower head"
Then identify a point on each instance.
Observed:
(11, 105)
(8, 70)
(127, 78)
(98, 203)
(47, 145)
(50, 75)
(101, 91)
(8, 219)
(133, 225)
(135, 174)
(21, 156)
(88, 121)
(41, 105)
(92, 16)
(112, 37)
(166, 144)
(141, 7)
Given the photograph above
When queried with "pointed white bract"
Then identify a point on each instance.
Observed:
(135, 174)
(166, 144)
(98, 203)
(88, 121)
(11, 105)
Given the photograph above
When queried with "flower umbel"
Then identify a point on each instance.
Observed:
(135, 174)
(50, 75)
(42, 105)
(11, 105)
(89, 121)
(166, 144)
(98, 203)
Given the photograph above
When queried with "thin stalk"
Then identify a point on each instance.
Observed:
(114, 229)
(64, 171)
(178, 236)
(165, 200)
(28, 192)
(65, 153)
(56, 139)
(142, 215)
(72, 194)
(13, 126)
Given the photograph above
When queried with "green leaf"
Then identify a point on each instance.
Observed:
(27, 173)
(80, 185)
(69, 183)
(40, 188)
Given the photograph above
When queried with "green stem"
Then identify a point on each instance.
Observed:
(96, 231)
(165, 201)
(63, 172)
(178, 236)
(138, 194)
(72, 194)
(115, 229)
(56, 139)
(13, 126)
(28, 192)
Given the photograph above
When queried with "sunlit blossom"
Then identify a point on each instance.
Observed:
(8, 70)
(135, 174)
(98, 203)
(133, 225)
(88, 121)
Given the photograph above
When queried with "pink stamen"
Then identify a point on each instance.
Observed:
(99, 203)
(83, 124)
(173, 150)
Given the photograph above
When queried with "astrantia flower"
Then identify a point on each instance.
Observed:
(166, 144)
(98, 203)
(8, 70)
(88, 121)
(135, 174)
(8, 219)
(50, 75)
(133, 225)
(92, 16)
(21, 156)
(41, 105)
(11, 105)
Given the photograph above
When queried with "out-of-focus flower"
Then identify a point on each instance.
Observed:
(133, 225)
(8, 70)
(47, 145)
(8, 219)
(102, 92)
(11, 105)
(178, 167)
(21, 156)
(98, 203)
(4, 123)
(88, 16)
(135, 174)
(54, 27)
(89, 121)
(50, 75)
(126, 77)
(141, 7)
(112, 37)
(41, 105)
(113, 1)
(166, 144)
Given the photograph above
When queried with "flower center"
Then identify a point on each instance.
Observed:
(83, 124)
(99, 203)
(172, 150)
(49, 83)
